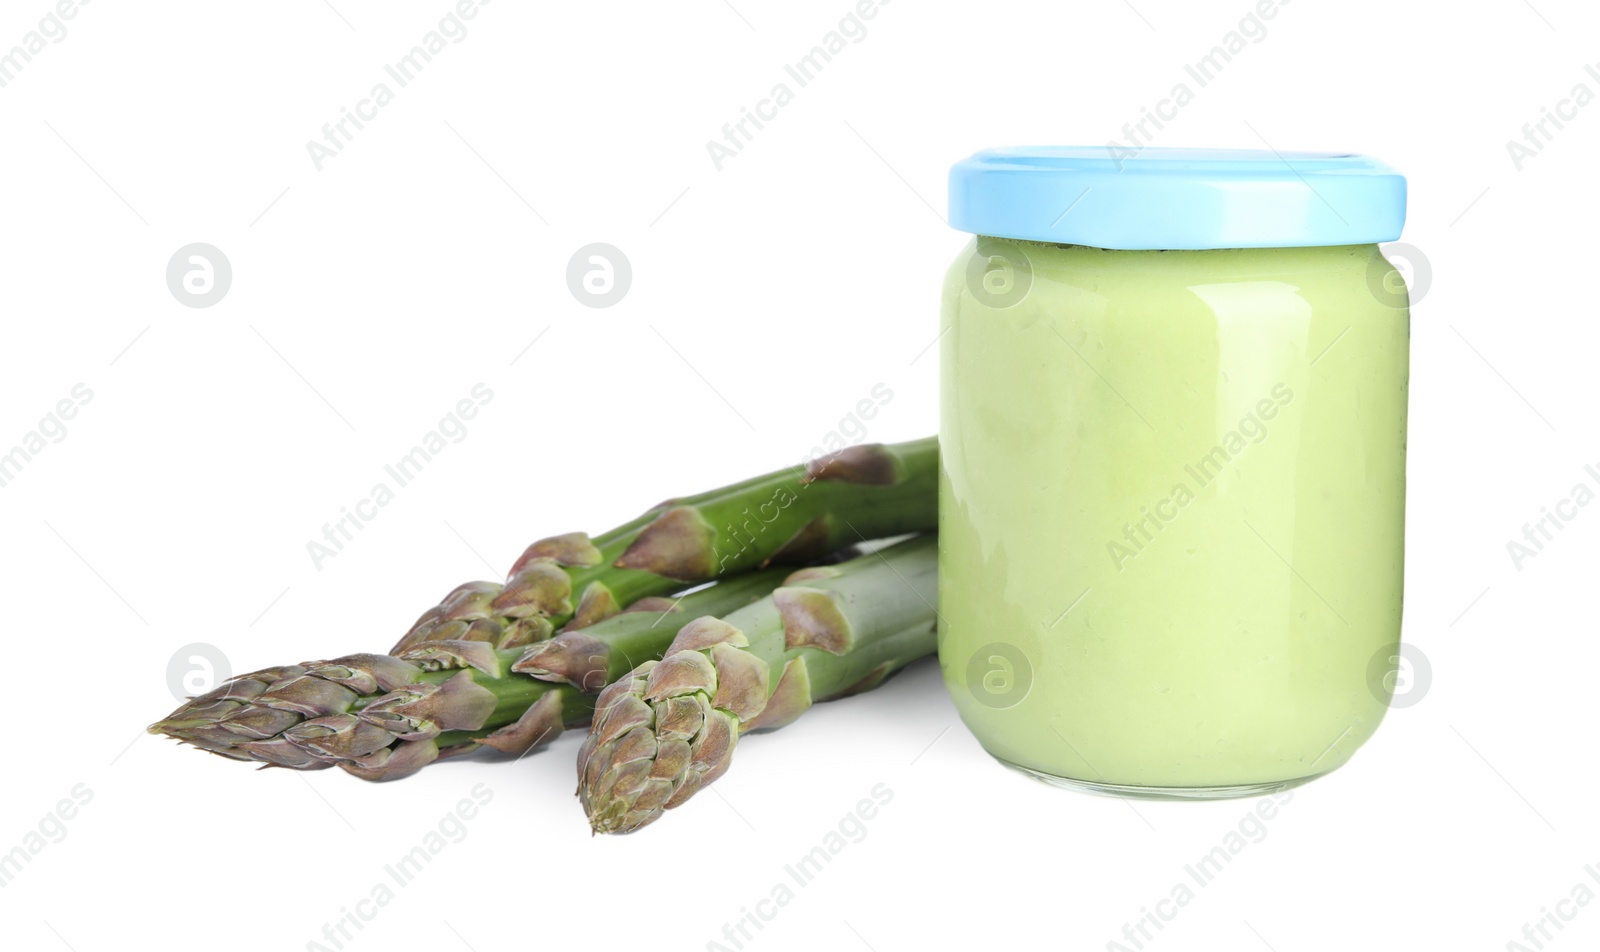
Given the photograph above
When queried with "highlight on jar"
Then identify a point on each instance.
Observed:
(1172, 480)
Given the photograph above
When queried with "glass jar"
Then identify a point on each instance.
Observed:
(1173, 430)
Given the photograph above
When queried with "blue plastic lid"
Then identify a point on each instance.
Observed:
(1177, 198)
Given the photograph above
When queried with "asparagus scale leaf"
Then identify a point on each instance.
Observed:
(668, 728)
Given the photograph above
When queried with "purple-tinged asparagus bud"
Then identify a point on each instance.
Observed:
(685, 672)
(307, 695)
(423, 711)
(741, 682)
(705, 632)
(394, 763)
(574, 658)
(366, 673)
(540, 588)
(338, 737)
(465, 603)
(539, 725)
(658, 736)
(259, 723)
(451, 655)
(215, 739)
(572, 549)
(524, 631)
(679, 544)
(813, 618)
(790, 699)
(866, 464)
(597, 604)
(681, 718)
(619, 712)
(279, 752)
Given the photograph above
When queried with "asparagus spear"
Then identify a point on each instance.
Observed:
(864, 492)
(668, 727)
(383, 717)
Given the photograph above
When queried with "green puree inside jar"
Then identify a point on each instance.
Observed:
(1172, 509)
(1173, 430)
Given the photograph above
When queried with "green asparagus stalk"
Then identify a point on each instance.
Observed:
(789, 516)
(444, 685)
(668, 728)
(383, 717)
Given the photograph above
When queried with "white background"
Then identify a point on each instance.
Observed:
(767, 299)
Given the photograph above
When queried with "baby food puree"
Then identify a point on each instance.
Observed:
(1173, 439)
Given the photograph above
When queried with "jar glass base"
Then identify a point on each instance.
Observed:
(1228, 792)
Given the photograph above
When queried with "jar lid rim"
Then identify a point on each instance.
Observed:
(1123, 197)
